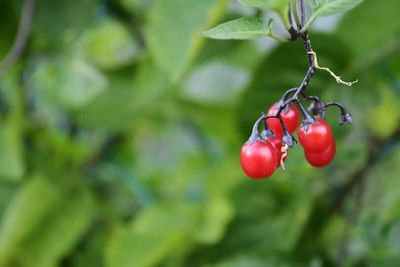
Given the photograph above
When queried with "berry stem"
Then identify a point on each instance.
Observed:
(345, 116)
(303, 19)
(336, 104)
(307, 118)
(286, 95)
(255, 135)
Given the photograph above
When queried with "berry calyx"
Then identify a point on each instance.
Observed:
(259, 159)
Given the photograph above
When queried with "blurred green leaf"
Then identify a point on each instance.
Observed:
(108, 45)
(42, 224)
(381, 195)
(135, 6)
(386, 262)
(6, 193)
(11, 161)
(181, 34)
(215, 83)
(67, 83)
(26, 212)
(156, 232)
(58, 24)
(176, 146)
(216, 214)
(252, 261)
(332, 232)
(131, 95)
(366, 44)
(271, 210)
(330, 7)
(264, 3)
(60, 232)
(383, 119)
(91, 251)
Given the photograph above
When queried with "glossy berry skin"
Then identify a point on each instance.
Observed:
(290, 117)
(321, 159)
(316, 137)
(258, 159)
(276, 141)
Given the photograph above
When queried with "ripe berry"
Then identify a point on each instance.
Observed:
(316, 137)
(321, 159)
(259, 159)
(290, 116)
(276, 141)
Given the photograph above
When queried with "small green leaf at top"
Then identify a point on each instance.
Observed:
(241, 29)
(254, 3)
(265, 4)
(330, 7)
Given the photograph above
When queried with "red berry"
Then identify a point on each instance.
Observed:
(290, 116)
(321, 159)
(316, 137)
(258, 159)
(276, 141)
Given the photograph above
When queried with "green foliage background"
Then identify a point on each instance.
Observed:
(120, 129)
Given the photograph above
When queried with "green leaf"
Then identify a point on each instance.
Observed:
(263, 231)
(313, 3)
(254, 3)
(24, 214)
(369, 46)
(12, 165)
(11, 161)
(172, 31)
(215, 83)
(381, 193)
(216, 214)
(274, 4)
(253, 260)
(135, 6)
(384, 118)
(153, 236)
(108, 45)
(63, 20)
(91, 250)
(240, 29)
(330, 7)
(67, 83)
(70, 221)
(42, 223)
(119, 107)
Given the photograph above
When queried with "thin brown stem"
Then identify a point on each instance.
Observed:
(22, 36)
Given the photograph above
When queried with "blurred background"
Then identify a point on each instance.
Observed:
(120, 132)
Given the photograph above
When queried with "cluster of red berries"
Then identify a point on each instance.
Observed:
(263, 153)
